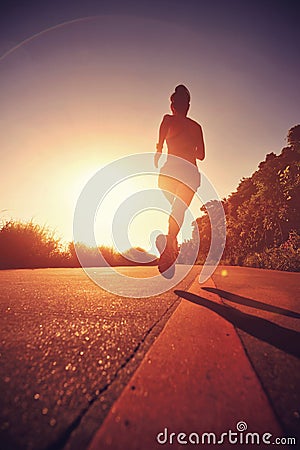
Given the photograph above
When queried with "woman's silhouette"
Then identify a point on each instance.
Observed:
(184, 139)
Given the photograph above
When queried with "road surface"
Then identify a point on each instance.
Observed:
(65, 343)
(274, 296)
(68, 348)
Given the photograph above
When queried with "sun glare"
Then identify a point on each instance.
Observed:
(134, 212)
(123, 221)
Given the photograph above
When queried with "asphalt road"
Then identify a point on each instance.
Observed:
(67, 348)
(272, 344)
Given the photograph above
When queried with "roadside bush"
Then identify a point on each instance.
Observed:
(28, 245)
(254, 260)
(284, 257)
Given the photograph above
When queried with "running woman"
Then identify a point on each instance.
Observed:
(178, 181)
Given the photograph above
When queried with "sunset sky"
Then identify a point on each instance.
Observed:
(84, 83)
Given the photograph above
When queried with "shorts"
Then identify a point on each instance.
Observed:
(176, 177)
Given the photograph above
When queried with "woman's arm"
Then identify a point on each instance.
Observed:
(200, 153)
(163, 130)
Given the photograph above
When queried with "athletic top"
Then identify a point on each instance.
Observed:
(183, 136)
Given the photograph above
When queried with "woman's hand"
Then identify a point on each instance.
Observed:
(156, 158)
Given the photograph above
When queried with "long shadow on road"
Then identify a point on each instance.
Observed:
(252, 303)
(283, 338)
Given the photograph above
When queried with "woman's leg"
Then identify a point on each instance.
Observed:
(169, 196)
(182, 200)
(168, 187)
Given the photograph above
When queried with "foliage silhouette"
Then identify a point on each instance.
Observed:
(263, 215)
(24, 245)
(28, 245)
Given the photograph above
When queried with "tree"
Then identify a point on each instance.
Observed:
(263, 215)
(293, 137)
